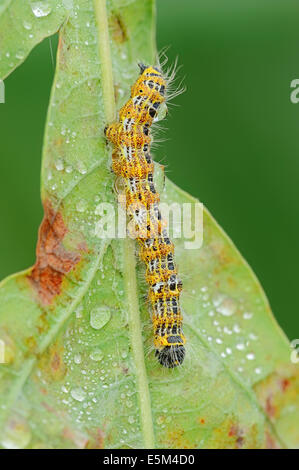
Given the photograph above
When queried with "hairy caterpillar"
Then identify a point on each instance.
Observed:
(131, 138)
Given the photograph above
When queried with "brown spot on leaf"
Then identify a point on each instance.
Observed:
(96, 440)
(176, 439)
(43, 324)
(271, 442)
(285, 383)
(279, 391)
(52, 364)
(118, 29)
(53, 261)
(55, 362)
(270, 408)
(236, 432)
(31, 343)
(75, 436)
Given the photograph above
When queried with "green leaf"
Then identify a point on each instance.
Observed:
(79, 370)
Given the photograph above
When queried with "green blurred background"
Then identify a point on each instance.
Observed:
(233, 140)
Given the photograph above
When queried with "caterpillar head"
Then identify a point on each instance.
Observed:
(151, 85)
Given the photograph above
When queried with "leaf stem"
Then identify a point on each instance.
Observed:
(137, 343)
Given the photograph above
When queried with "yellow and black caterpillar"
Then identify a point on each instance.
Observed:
(131, 159)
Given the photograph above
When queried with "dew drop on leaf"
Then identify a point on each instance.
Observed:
(78, 394)
(250, 356)
(20, 55)
(69, 169)
(81, 205)
(41, 9)
(99, 316)
(59, 164)
(27, 25)
(81, 168)
(96, 355)
(77, 359)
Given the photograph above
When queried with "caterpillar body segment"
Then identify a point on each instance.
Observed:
(131, 160)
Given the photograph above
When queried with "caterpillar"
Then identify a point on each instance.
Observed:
(131, 160)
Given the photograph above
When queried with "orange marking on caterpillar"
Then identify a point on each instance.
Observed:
(131, 160)
(53, 261)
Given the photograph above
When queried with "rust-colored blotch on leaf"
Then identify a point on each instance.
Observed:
(53, 261)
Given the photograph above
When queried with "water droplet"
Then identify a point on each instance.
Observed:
(247, 316)
(77, 359)
(78, 394)
(96, 355)
(250, 356)
(27, 25)
(258, 370)
(227, 330)
(41, 9)
(131, 419)
(59, 164)
(7, 54)
(81, 205)
(81, 168)
(20, 55)
(240, 346)
(99, 316)
(69, 169)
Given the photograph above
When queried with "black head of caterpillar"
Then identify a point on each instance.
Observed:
(143, 67)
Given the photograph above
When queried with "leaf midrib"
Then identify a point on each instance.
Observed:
(127, 244)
